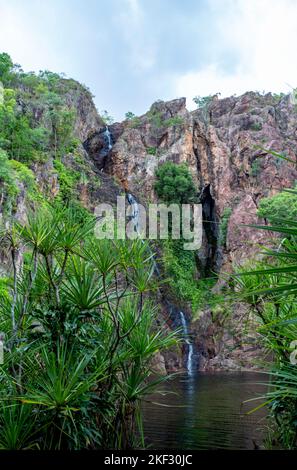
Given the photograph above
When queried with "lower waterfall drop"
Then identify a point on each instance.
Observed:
(188, 342)
(135, 211)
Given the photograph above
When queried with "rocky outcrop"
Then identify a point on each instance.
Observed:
(223, 146)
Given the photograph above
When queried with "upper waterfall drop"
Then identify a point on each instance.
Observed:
(188, 342)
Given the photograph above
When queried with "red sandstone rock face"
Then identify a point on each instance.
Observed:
(223, 148)
(220, 145)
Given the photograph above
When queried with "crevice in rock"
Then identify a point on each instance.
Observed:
(209, 259)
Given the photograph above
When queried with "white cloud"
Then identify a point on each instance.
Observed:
(22, 35)
(140, 50)
(263, 35)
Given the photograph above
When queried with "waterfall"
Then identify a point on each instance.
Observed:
(107, 136)
(135, 218)
(188, 343)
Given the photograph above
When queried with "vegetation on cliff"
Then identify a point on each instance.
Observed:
(36, 129)
(79, 336)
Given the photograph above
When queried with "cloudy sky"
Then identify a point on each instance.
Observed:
(133, 52)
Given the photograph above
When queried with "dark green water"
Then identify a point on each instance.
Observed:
(206, 412)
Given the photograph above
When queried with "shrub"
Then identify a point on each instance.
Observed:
(80, 353)
(151, 150)
(181, 272)
(68, 180)
(9, 188)
(281, 206)
(255, 167)
(174, 183)
(174, 121)
(202, 101)
(106, 117)
(129, 115)
(256, 126)
(6, 67)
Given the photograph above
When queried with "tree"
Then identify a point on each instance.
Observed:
(6, 66)
(202, 101)
(129, 115)
(174, 184)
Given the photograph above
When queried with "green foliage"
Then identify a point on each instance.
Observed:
(281, 206)
(256, 167)
(6, 66)
(68, 180)
(60, 120)
(256, 126)
(157, 120)
(174, 121)
(182, 277)
(203, 101)
(224, 226)
(278, 96)
(174, 183)
(24, 174)
(151, 150)
(107, 119)
(270, 288)
(6, 173)
(21, 141)
(9, 188)
(80, 343)
(39, 128)
(135, 122)
(5, 283)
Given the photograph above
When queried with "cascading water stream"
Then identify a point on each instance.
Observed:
(107, 136)
(135, 218)
(188, 342)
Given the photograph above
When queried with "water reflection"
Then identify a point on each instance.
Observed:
(206, 412)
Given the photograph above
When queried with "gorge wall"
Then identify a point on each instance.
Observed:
(223, 145)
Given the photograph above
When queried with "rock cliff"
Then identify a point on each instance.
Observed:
(225, 144)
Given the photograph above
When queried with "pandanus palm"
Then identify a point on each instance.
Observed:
(82, 334)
